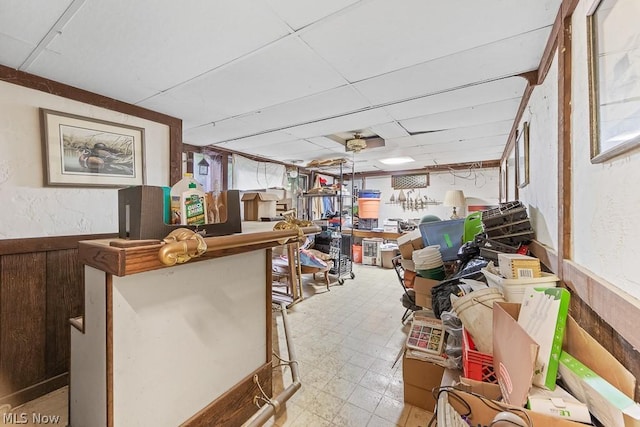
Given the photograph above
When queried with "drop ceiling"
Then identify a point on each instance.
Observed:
(439, 81)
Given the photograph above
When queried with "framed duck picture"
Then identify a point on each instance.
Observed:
(86, 152)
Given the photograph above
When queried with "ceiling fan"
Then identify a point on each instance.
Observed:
(357, 142)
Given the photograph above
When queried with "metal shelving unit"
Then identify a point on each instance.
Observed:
(342, 257)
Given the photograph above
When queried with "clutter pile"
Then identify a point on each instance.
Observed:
(501, 329)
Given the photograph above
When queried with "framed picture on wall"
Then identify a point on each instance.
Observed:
(614, 78)
(85, 152)
(522, 153)
(503, 181)
(512, 185)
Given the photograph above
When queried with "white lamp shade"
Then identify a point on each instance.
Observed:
(454, 198)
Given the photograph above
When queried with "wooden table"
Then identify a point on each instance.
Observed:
(372, 234)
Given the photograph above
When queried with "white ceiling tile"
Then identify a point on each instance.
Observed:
(300, 13)
(389, 130)
(347, 123)
(480, 114)
(13, 52)
(383, 36)
(468, 96)
(290, 148)
(501, 59)
(221, 131)
(330, 103)
(501, 128)
(160, 44)
(29, 20)
(324, 142)
(23, 23)
(251, 142)
(284, 71)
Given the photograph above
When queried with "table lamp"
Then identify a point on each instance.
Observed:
(454, 198)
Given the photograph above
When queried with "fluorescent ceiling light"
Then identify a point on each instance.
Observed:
(397, 160)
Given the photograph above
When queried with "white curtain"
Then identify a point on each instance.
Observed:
(251, 175)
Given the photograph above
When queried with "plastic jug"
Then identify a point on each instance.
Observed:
(176, 194)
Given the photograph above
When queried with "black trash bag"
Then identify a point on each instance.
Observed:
(440, 301)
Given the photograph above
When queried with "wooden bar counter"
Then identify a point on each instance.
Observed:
(168, 346)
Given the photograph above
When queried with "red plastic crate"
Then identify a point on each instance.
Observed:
(475, 364)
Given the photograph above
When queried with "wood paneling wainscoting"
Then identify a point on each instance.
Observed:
(605, 312)
(41, 288)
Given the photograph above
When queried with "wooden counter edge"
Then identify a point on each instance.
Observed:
(123, 261)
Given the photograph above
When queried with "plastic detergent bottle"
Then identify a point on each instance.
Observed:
(177, 197)
(193, 205)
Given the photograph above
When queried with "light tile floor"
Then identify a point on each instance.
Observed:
(347, 340)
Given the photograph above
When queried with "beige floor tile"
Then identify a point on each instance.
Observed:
(362, 360)
(351, 372)
(383, 367)
(364, 398)
(339, 387)
(325, 405)
(377, 421)
(417, 417)
(351, 416)
(308, 419)
(287, 415)
(395, 389)
(392, 410)
(375, 381)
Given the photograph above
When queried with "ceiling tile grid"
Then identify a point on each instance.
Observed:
(436, 80)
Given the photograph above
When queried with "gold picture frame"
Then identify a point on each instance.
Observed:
(522, 154)
(614, 80)
(85, 152)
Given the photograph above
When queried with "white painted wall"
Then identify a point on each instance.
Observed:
(606, 197)
(540, 196)
(480, 186)
(32, 210)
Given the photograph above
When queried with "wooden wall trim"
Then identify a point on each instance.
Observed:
(616, 307)
(235, 406)
(547, 256)
(550, 48)
(31, 81)
(109, 348)
(564, 193)
(36, 390)
(46, 244)
(268, 268)
(511, 140)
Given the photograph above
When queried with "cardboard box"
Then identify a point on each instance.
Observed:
(518, 266)
(590, 353)
(514, 353)
(558, 403)
(482, 414)
(488, 390)
(259, 205)
(419, 378)
(422, 288)
(390, 226)
(607, 403)
(405, 243)
(544, 316)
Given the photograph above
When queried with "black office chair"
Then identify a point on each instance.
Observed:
(409, 297)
